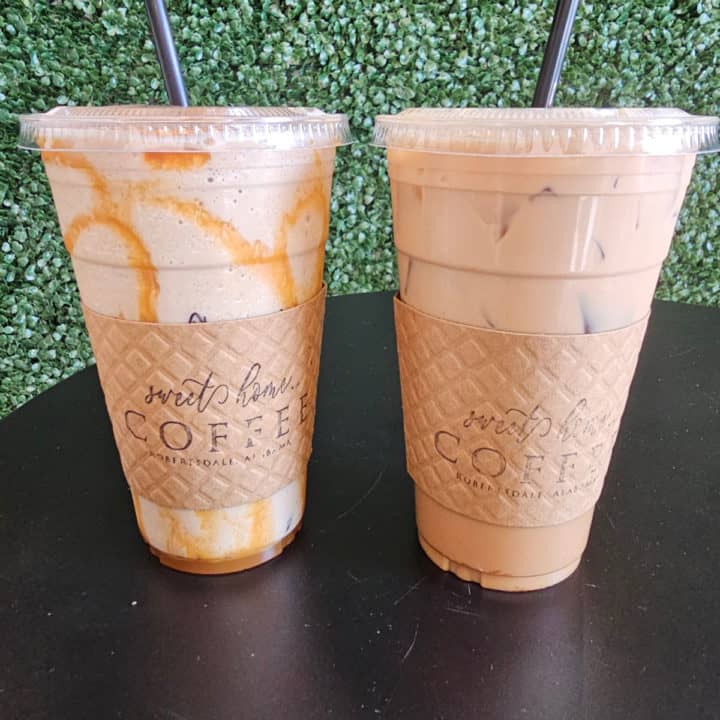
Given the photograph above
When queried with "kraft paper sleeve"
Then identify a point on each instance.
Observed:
(211, 415)
(509, 428)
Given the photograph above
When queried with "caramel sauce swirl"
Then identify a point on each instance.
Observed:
(114, 210)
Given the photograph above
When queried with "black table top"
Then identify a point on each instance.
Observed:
(353, 621)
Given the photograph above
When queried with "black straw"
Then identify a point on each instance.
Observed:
(166, 52)
(555, 52)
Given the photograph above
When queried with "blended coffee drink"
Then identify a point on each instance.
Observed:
(529, 244)
(182, 222)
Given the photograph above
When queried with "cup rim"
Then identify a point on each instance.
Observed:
(155, 128)
(548, 132)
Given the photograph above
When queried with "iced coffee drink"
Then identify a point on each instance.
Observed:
(196, 217)
(518, 234)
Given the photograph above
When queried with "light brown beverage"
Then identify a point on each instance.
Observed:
(195, 215)
(531, 222)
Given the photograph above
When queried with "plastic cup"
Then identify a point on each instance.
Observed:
(195, 215)
(536, 222)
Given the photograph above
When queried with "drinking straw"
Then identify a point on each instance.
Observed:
(555, 53)
(166, 52)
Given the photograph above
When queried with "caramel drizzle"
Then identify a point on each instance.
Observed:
(203, 545)
(107, 213)
(274, 263)
(76, 161)
(240, 250)
(176, 161)
(138, 258)
(314, 201)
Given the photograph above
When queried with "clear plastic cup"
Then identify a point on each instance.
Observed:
(533, 221)
(181, 215)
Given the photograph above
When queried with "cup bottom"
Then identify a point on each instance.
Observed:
(222, 539)
(496, 581)
(225, 565)
(498, 557)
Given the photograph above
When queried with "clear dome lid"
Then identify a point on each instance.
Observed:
(147, 128)
(548, 132)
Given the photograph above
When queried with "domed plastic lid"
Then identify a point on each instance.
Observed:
(143, 128)
(548, 132)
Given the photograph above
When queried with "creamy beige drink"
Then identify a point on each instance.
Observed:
(177, 215)
(541, 245)
(535, 222)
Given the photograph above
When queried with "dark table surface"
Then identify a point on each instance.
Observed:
(353, 621)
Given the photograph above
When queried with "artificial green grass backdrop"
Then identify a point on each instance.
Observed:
(359, 57)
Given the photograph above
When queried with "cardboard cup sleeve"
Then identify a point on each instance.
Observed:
(211, 415)
(508, 428)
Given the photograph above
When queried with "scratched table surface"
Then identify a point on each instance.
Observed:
(353, 621)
